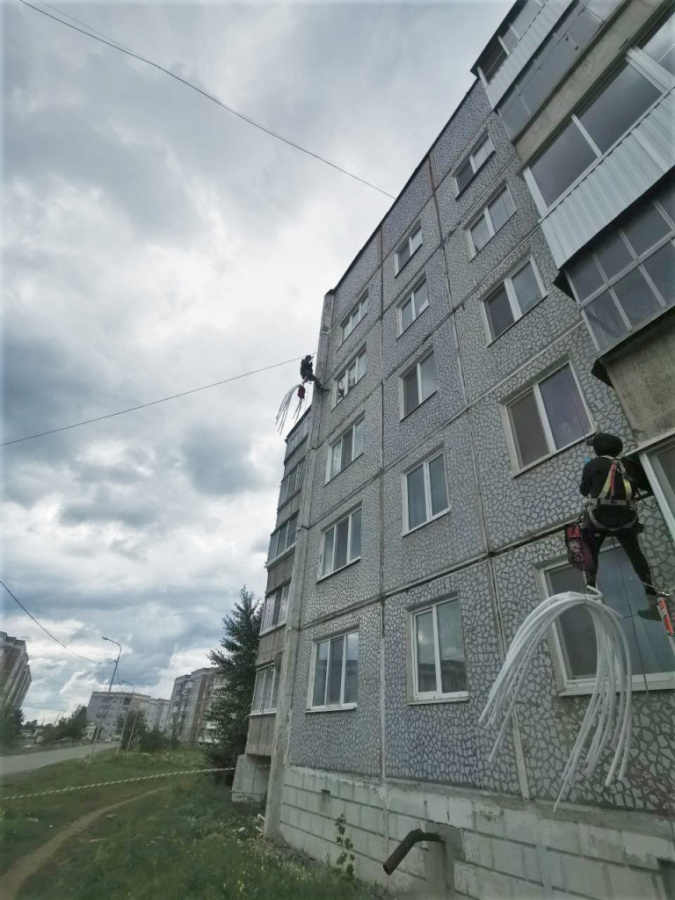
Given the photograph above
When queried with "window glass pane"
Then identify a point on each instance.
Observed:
(352, 375)
(277, 606)
(501, 209)
(275, 688)
(335, 671)
(406, 314)
(464, 175)
(636, 297)
(283, 612)
(566, 158)
(525, 17)
(421, 297)
(341, 387)
(426, 661)
(358, 437)
(427, 377)
(613, 255)
(618, 106)
(514, 114)
(273, 545)
(528, 431)
(417, 506)
(510, 38)
(346, 328)
(667, 199)
(355, 540)
(403, 255)
(661, 46)
(290, 539)
(320, 672)
(342, 534)
(575, 628)
(351, 667)
(439, 491)
(336, 457)
(499, 312)
(415, 240)
(605, 320)
(585, 276)
(481, 154)
(258, 689)
(480, 234)
(410, 400)
(451, 646)
(283, 490)
(663, 461)
(361, 365)
(645, 229)
(493, 58)
(566, 414)
(526, 287)
(301, 474)
(347, 448)
(329, 540)
(267, 692)
(661, 269)
(582, 28)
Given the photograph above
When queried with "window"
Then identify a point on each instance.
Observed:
(661, 45)
(346, 449)
(491, 219)
(498, 49)
(438, 652)
(409, 247)
(518, 294)
(548, 416)
(473, 163)
(596, 127)
(283, 537)
(413, 306)
(296, 437)
(358, 312)
(418, 384)
(265, 691)
(341, 543)
(659, 464)
(650, 651)
(336, 669)
(349, 377)
(425, 493)
(292, 482)
(629, 276)
(275, 609)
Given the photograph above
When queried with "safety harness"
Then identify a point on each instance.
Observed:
(608, 495)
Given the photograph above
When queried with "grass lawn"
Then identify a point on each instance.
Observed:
(26, 824)
(185, 843)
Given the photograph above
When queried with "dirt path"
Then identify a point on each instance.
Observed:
(12, 881)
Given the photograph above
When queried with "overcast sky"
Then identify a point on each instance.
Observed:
(155, 243)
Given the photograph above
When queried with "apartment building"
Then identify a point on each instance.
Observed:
(206, 733)
(517, 298)
(187, 704)
(15, 677)
(105, 710)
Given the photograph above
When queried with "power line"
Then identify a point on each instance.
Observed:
(40, 625)
(121, 412)
(211, 97)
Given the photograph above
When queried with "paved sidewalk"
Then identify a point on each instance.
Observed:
(11, 765)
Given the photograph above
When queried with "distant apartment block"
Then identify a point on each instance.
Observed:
(107, 709)
(188, 701)
(15, 677)
(206, 731)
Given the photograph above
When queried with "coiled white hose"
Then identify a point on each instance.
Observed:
(611, 720)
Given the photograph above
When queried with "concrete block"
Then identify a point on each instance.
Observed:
(525, 890)
(601, 843)
(646, 849)
(400, 825)
(305, 821)
(363, 793)
(437, 808)
(466, 879)
(460, 813)
(520, 825)
(531, 863)
(370, 870)
(508, 858)
(630, 884)
(376, 848)
(345, 790)
(478, 850)
(301, 797)
(337, 807)
(554, 868)
(313, 802)
(585, 877)
(371, 819)
(488, 818)
(415, 862)
(328, 829)
(560, 835)
(411, 803)
(296, 778)
(352, 813)
(495, 887)
(309, 781)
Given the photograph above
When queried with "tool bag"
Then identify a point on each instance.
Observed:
(578, 550)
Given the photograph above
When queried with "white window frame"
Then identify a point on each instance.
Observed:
(354, 361)
(437, 695)
(427, 492)
(402, 378)
(412, 298)
(284, 492)
(360, 310)
(567, 685)
(485, 214)
(649, 69)
(349, 515)
(276, 530)
(330, 475)
(663, 493)
(508, 26)
(407, 243)
(269, 710)
(546, 426)
(507, 283)
(333, 707)
(485, 139)
(267, 622)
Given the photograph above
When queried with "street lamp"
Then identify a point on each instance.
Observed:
(124, 726)
(96, 733)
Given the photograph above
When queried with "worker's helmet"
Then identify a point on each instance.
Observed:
(607, 444)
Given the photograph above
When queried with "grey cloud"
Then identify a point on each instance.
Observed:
(106, 506)
(216, 463)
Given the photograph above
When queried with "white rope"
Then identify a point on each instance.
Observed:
(283, 409)
(608, 720)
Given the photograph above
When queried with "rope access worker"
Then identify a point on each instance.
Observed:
(307, 373)
(609, 484)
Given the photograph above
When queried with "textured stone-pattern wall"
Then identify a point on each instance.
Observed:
(395, 283)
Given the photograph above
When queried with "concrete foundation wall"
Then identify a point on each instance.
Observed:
(495, 846)
(251, 778)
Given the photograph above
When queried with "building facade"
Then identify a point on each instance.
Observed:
(516, 299)
(15, 677)
(188, 702)
(108, 709)
(206, 733)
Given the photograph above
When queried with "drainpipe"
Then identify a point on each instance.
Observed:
(406, 845)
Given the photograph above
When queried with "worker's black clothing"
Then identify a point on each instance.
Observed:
(630, 541)
(593, 480)
(307, 373)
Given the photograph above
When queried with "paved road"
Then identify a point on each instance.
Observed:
(10, 765)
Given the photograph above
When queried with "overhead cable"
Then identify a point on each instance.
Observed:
(214, 99)
(121, 412)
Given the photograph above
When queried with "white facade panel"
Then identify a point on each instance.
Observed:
(635, 164)
(535, 35)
